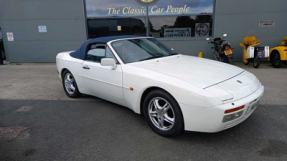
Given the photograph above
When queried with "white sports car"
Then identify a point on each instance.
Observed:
(174, 92)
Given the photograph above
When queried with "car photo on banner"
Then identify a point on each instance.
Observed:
(174, 92)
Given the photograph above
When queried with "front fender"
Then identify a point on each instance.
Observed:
(185, 93)
(280, 49)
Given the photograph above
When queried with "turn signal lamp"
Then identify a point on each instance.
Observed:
(234, 109)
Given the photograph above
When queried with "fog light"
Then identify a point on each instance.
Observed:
(232, 116)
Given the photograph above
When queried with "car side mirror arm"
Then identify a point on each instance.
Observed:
(114, 67)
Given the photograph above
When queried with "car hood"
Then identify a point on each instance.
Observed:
(197, 71)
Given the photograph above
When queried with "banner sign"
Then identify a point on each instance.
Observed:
(154, 10)
(177, 32)
(202, 29)
(124, 8)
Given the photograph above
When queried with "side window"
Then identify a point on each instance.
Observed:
(98, 51)
(96, 55)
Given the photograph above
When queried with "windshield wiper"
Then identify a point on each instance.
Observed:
(151, 58)
(173, 54)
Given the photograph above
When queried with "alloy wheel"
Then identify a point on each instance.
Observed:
(70, 83)
(161, 113)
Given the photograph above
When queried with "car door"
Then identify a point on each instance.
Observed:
(102, 81)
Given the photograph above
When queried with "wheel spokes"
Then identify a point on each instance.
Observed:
(168, 119)
(156, 104)
(165, 108)
(153, 114)
(72, 87)
(161, 125)
(161, 114)
(68, 77)
(69, 83)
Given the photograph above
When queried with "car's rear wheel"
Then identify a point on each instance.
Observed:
(256, 62)
(276, 60)
(163, 113)
(70, 85)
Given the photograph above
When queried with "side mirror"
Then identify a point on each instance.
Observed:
(224, 35)
(109, 62)
(207, 39)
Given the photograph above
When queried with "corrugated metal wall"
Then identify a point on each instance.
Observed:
(65, 21)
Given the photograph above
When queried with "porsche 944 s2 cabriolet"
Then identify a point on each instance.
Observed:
(174, 92)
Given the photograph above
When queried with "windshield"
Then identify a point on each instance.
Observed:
(135, 50)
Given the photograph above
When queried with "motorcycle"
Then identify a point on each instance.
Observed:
(253, 53)
(223, 51)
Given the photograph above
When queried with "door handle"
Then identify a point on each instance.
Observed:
(86, 67)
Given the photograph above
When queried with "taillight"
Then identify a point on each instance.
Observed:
(285, 49)
(227, 47)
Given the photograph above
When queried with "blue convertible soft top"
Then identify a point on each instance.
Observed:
(80, 53)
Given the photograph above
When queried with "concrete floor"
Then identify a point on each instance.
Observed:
(32, 82)
(51, 126)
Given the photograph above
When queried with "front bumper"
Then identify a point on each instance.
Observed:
(211, 119)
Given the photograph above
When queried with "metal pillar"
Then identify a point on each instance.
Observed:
(147, 22)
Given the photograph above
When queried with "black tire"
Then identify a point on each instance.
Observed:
(227, 59)
(75, 93)
(230, 61)
(174, 111)
(285, 63)
(276, 60)
(246, 63)
(256, 62)
(3, 55)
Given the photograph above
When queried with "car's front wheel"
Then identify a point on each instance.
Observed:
(276, 61)
(163, 113)
(70, 85)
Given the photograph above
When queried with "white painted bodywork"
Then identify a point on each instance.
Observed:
(203, 88)
(250, 52)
